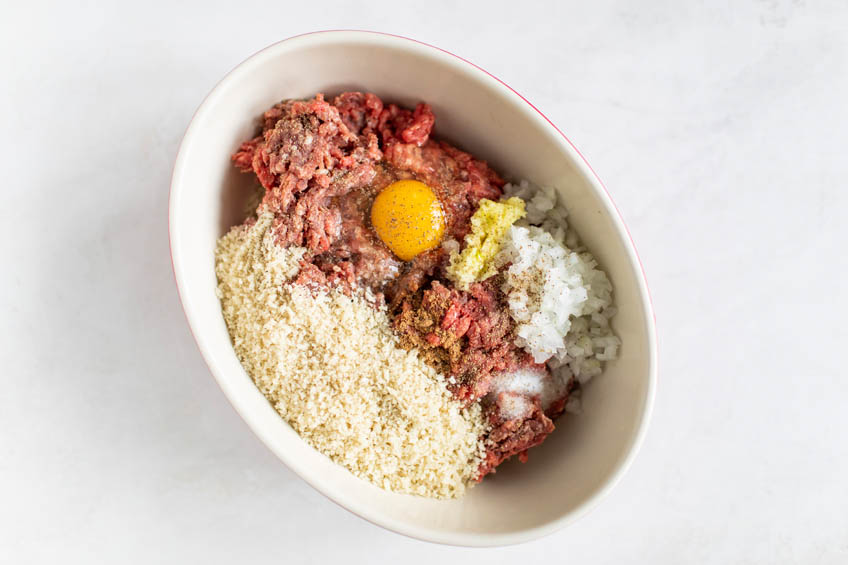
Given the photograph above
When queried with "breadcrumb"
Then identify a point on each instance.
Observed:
(331, 366)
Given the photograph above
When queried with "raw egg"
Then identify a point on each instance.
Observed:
(408, 217)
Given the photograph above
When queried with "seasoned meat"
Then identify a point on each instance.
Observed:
(321, 165)
(513, 436)
(466, 334)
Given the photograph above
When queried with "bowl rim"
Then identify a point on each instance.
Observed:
(531, 112)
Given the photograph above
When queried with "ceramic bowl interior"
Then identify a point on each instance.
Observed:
(585, 456)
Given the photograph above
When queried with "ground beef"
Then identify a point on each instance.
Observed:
(513, 436)
(468, 335)
(359, 111)
(514, 433)
(321, 165)
(304, 157)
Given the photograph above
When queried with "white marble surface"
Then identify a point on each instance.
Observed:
(721, 132)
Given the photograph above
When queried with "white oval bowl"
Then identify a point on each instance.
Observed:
(587, 454)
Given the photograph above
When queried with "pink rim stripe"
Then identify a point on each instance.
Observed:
(574, 147)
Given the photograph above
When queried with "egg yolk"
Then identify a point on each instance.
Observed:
(408, 218)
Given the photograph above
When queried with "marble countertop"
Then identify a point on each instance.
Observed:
(721, 133)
